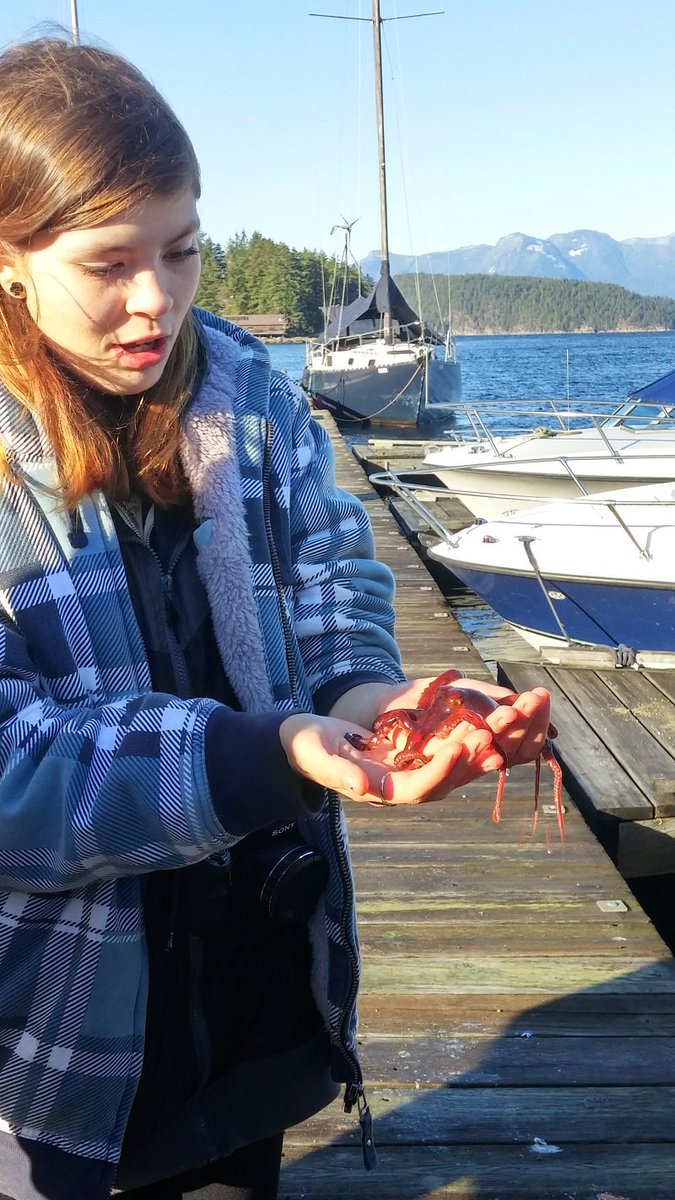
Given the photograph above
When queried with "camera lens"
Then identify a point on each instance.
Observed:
(294, 884)
(276, 870)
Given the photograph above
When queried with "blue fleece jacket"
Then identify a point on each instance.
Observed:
(102, 780)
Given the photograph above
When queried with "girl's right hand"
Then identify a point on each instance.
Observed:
(316, 747)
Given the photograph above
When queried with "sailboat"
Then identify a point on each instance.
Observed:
(377, 362)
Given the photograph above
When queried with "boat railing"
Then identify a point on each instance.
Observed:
(613, 504)
(412, 493)
(450, 348)
(420, 497)
(488, 420)
(348, 341)
(649, 449)
(343, 340)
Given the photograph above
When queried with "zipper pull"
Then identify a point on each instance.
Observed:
(367, 1141)
(352, 1093)
(355, 1095)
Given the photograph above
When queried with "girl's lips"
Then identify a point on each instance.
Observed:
(139, 343)
(142, 354)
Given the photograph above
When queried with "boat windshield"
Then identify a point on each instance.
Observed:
(642, 414)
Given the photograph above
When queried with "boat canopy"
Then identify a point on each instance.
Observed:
(661, 389)
(385, 297)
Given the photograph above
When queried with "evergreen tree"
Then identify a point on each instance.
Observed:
(254, 274)
(512, 304)
(263, 276)
(210, 290)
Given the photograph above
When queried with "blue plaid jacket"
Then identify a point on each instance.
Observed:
(102, 780)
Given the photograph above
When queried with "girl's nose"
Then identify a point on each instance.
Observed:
(149, 295)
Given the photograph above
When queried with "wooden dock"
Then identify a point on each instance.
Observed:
(518, 1007)
(617, 742)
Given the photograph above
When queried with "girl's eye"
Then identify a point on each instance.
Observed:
(100, 270)
(180, 255)
(106, 270)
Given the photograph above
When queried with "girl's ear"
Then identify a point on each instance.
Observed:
(11, 273)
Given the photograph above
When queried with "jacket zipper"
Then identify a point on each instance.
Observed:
(276, 567)
(354, 1091)
(176, 654)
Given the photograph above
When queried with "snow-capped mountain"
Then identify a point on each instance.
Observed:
(645, 265)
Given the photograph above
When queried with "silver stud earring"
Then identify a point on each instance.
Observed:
(17, 289)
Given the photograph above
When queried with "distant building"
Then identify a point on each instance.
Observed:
(261, 324)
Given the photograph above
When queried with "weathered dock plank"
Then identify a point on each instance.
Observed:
(634, 723)
(518, 1007)
(617, 745)
(620, 1170)
(447, 1116)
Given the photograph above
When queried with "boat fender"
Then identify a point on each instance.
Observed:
(625, 656)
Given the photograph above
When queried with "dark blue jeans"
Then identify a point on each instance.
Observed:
(251, 1173)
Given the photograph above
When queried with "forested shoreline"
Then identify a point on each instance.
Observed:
(254, 275)
(526, 304)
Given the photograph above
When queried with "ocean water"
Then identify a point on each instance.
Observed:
(570, 367)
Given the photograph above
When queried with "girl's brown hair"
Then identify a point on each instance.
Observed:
(84, 137)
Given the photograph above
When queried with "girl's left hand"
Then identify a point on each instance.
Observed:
(519, 730)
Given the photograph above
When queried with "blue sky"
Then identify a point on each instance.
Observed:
(537, 116)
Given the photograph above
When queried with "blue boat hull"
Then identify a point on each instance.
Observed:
(596, 613)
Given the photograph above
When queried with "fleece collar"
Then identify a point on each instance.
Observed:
(209, 455)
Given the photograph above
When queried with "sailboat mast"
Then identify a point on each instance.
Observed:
(74, 23)
(379, 105)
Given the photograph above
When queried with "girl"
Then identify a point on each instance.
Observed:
(191, 618)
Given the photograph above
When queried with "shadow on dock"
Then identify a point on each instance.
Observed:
(572, 1100)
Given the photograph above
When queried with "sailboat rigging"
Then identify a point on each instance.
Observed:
(376, 361)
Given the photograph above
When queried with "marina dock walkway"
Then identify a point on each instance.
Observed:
(518, 1007)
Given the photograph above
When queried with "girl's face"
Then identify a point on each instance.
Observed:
(110, 300)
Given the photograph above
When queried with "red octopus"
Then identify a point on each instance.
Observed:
(442, 706)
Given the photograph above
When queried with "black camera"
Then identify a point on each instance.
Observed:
(277, 870)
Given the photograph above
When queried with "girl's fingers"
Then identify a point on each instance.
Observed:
(453, 765)
(521, 729)
(516, 734)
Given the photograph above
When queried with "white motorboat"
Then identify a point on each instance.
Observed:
(632, 445)
(596, 571)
